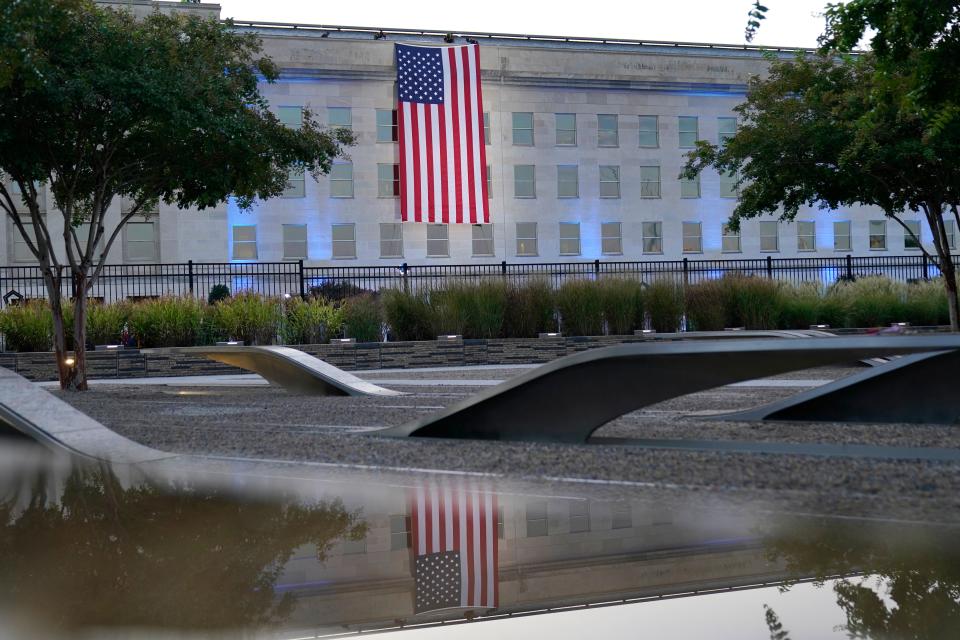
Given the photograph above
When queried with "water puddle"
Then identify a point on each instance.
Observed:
(87, 550)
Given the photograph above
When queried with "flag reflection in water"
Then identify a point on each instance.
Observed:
(454, 531)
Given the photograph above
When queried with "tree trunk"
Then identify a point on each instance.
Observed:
(66, 364)
(950, 284)
(947, 268)
(79, 379)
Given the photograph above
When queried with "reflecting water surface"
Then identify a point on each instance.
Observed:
(90, 550)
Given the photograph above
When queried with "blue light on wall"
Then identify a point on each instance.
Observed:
(237, 216)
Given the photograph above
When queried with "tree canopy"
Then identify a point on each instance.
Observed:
(98, 105)
(829, 131)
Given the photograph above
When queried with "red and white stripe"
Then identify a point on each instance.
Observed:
(455, 519)
(443, 161)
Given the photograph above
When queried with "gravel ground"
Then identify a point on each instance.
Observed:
(264, 422)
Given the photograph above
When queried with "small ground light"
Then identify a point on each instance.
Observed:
(69, 361)
(286, 296)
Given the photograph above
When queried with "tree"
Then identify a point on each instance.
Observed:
(901, 581)
(919, 38)
(829, 131)
(94, 552)
(97, 106)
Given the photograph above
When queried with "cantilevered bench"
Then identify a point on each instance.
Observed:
(288, 368)
(568, 399)
(27, 409)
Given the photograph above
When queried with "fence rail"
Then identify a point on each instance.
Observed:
(278, 278)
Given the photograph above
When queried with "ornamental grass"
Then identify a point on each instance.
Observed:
(168, 321)
(580, 305)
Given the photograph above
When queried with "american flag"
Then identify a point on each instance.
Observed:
(443, 162)
(455, 548)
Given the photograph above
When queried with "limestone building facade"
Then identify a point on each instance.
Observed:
(586, 138)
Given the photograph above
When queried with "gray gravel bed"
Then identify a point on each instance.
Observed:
(264, 422)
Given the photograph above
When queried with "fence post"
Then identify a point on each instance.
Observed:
(596, 269)
(403, 276)
(849, 267)
(303, 282)
(770, 267)
(926, 270)
(73, 286)
(686, 271)
(190, 276)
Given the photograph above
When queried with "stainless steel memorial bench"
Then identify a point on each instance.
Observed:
(288, 368)
(568, 399)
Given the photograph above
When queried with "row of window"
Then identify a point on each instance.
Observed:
(140, 241)
(344, 238)
(537, 523)
(524, 182)
(522, 123)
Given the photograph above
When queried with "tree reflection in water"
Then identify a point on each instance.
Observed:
(102, 554)
(909, 585)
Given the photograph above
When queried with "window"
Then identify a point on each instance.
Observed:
(290, 116)
(526, 238)
(569, 238)
(294, 241)
(489, 182)
(438, 241)
(482, 240)
(649, 131)
(726, 129)
(399, 532)
(566, 129)
(841, 236)
(486, 127)
(622, 516)
(652, 237)
(245, 242)
(296, 184)
(579, 516)
(951, 230)
(649, 182)
(769, 235)
(608, 134)
(611, 240)
(688, 132)
(341, 180)
(140, 241)
(728, 185)
(523, 129)
(878, 235)
(340, 117)
(911, 237)
(690, 188)
(386, 125)
(806, 235)
(609, 181)
(391, 240)
(692, 237)
(524, 181)
(19, 250)
(388, 180)
(536, 518)
(344, 237)
(730, 241)
(82, 232)
(18, 199)
(568, 181)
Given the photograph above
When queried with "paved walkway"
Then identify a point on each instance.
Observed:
(408, 378)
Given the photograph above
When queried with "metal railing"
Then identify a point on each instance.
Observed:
(278, 278)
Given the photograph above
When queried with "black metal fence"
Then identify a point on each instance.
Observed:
(279, 278)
